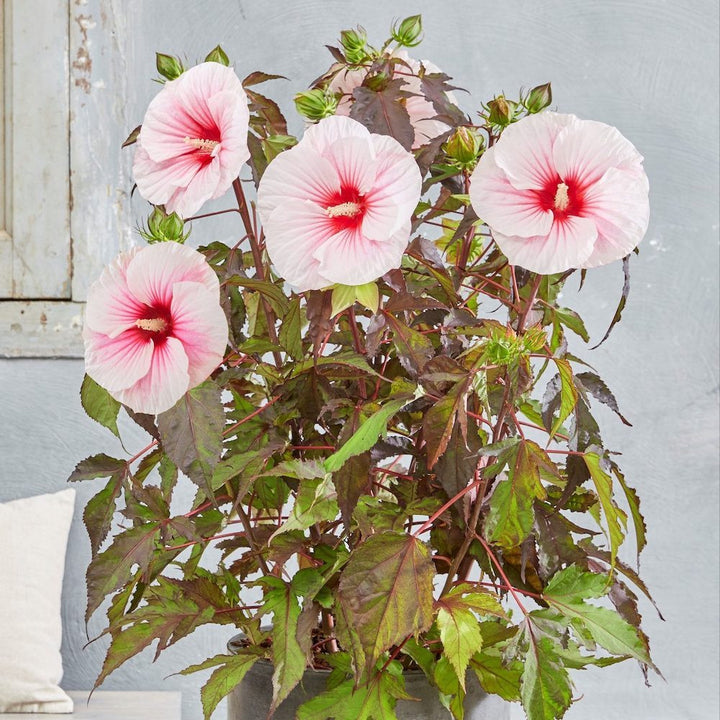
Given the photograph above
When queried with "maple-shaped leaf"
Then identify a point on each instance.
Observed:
(99, 512)
(229, 671)
(497, 675)
(545, 690)
(383, 111)
(441, 419)
(386, 593)
(315, 501)
(100, 405)
(191, 433)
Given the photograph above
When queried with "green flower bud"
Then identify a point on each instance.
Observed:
(162, 227)
(464, 146)
(315, 104)
(168, 66)
(217, 54)
(501, 111)
(354, 44)
(408, 32)
(538, 98)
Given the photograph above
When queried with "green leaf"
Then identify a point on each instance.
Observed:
(288, 656)
(114, 567)
(343, 296)
(441, 419)
(274, 294)
(413, 348)
(230, 670)
(615, 518)
(290, 336)
(367, 434)
(570, 319)
(634, 504)
(191, 433)
(568, 394)
(510, 516)
(98, 466)
(217, 54)
(99, 512)
(497, 677)
(386, 592)
(373, 701)
(459, 633)
(545, 692)
(316, 501)
(100, 405)
(575, 585)
(368, 295)
(352, 481)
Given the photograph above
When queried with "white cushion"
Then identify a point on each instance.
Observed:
(33, 539)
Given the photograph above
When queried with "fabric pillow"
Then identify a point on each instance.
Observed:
(33, 539)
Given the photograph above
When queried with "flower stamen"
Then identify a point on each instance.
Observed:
(562, 200)
(346, 209)
(207, 146)
(152, 324)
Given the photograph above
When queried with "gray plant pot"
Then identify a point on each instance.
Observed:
(250, 700)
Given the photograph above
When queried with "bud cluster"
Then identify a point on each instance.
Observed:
(162, 227)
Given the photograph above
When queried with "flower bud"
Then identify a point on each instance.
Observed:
(538, 98)
(168, 66)
(501, 111)
(217, 54)
(354, 44)
(315, 104)
(464, 145)
(408, 32)
(162, 227)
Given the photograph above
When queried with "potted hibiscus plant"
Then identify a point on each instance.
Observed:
(394, 454)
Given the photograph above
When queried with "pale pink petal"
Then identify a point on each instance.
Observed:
(585, 150)
(152, 273)
(111, 307)
(324, 134)
(568, 245)
(298, 174)
(353, 159)
(158, 182)
(618, 205)
(231, 114)
(504, 208)
(345, 82)
(525, 150)
(348, 258)
(203, 186)
(199, 323)
(119, 362)
(165, 382)
(293, 232)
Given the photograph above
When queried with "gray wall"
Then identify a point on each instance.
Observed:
(651, 69)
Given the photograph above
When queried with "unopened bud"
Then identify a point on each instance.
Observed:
(315, 104)
(354, 43)
(538, 98)
(408, 32)
(162, 227)
(168, 66)
(217, 54)
(501, 110)
(464, 145)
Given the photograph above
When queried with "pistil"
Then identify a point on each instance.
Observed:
(561, 197)
(207, 146)
(346, 209)
(152, 324)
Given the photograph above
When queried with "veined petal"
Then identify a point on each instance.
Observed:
(323, 135)
(158, 181)
(152, 273)
(585, 150)
(354, 161)
(525, 150)
(203, 186)
(116, 363)
(111, 306)
(200, 324)
(618, 204)
(503, 207)
(348, 258)
(568, 245)
(165, 382)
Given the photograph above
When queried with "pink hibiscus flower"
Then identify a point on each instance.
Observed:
(559, 193)
(421, 111)
(336, 207)
(154, 327)
(193, 140)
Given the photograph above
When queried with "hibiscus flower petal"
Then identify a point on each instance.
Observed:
(618, 204)
(525, 150)
(568, 245)
(200, 324)
(165, 382)
(119, 362)
(158, 182)
(111, 306)
(203, 186)
(354, 161)
(504, 208)
(152, 273)
(323, 135)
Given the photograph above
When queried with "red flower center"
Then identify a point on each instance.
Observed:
(345, 208)
(563, 197)
(155, 324)
(204, 141)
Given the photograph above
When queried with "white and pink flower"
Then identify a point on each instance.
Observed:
(193, 140)
(154, 327)
(422, 113)
(336, 208)
(560, 193)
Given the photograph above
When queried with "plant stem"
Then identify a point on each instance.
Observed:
(529, 304)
